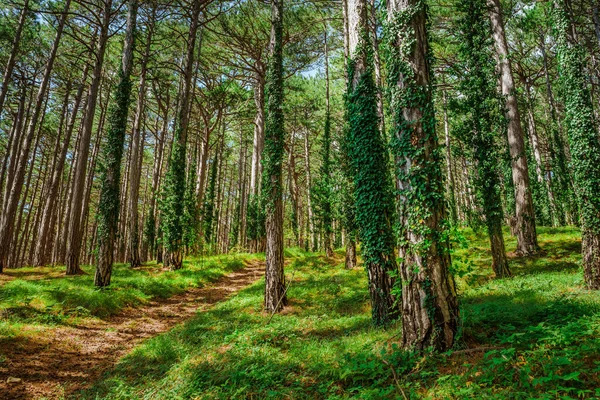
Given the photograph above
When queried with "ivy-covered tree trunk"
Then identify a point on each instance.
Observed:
(369, 169)
(112, 155)
(583, 138)
(175, 179)
(429, 304)
(480, 104)
(275, 296)
(525, 217)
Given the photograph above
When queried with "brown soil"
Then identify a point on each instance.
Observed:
(61, 361)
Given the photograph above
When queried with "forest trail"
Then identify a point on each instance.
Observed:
(69, 358)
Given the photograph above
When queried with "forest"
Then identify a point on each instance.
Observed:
(300, 199)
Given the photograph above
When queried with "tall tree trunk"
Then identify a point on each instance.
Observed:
(112, 156)
(429, 304)
(525, 216)
(175, 179)
(369, 166)
(583, 139)
(326, 159)
(6, 226)
(258, 144)
(80, 169)
(10, 64)
(275, 292)
(137, 151)
(479, 91)
(259, 131)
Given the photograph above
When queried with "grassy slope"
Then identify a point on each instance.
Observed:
(40, 298)
(543, 326)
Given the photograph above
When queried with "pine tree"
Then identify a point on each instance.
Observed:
(524, 212)
(429, 304)
(583, 137)
(481, 106)
(369, 169)
(275, 296)
(175, 179)
(112, 155)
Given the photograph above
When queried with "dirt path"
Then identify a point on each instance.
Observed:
(67, 359)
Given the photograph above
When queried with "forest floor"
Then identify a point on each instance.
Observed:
(535, 335)
(51, 345)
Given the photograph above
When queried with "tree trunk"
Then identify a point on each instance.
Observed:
(175, 179)
(259, 131)
(326, 162)
(137, 152)
(369, 166)
(275, 291)
(109, 206)
(526, 230)
(80, 168)
(429, 304)
(583, 139)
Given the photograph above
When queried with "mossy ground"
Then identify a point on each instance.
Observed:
(536, 335)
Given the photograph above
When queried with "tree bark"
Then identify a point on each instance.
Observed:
(80, 168)
(259, 131)
(109, 206)
(583, 139)
(369, 166)
(275, 291)
(526, 230)
(175, 179)
(137, 151)
(429, 303)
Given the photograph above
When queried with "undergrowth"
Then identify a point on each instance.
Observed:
(536, 335)
(39, 298)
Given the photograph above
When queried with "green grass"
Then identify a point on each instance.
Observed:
(38, 298)
(538, 335)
